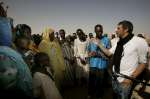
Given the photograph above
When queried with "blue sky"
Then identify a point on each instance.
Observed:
(73, 14)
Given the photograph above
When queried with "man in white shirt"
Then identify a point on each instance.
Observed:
(129, 58)
(80, 52)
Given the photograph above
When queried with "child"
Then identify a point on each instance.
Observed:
(43, 83)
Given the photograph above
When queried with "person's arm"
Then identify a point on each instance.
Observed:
(104, 50)
(89, 52)
(142, 56)
(142, 59)
(86, 50)
(135, 74)
(75, 49)
(138, 70)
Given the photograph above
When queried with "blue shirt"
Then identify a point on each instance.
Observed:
(98, 62)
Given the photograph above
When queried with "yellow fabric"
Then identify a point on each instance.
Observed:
(31, 47)
(46, 33)
(53, 49)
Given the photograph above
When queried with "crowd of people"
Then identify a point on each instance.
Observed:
(41, 66)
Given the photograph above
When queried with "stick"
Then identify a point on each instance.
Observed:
(131, 78)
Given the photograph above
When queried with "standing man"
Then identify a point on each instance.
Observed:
(80, 52)
(98, 63)
(62, 34)
(91, 35)
(74, 36)
(129, 58)
(68, 59)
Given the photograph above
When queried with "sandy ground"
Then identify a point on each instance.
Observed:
(81, 93)
(143, 95)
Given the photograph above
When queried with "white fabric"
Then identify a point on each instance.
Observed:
(82, 70)
(149, 58)
(135, 52)
(80, 48)
(44, 87)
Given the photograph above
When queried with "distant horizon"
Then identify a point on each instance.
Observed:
(85, 14)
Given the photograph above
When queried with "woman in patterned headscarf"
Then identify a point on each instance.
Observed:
(51, 46)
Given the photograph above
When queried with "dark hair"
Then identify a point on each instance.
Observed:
(79, 30)
(74, 33)
(79, 33)
(127, 25)
(39, 57)
(23, 28)
(113, 36)
(37, 38)
(62, 30)
(99, 25)
(140, 35)
(90, 33)
(2, 10)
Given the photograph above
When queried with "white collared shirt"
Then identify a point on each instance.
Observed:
(135, 52)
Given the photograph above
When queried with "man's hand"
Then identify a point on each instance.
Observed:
(83, 61)
(97, 42)
(92, 54)
(127, 82)
(101, 46)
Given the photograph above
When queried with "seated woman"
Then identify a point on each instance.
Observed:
(43, 83)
